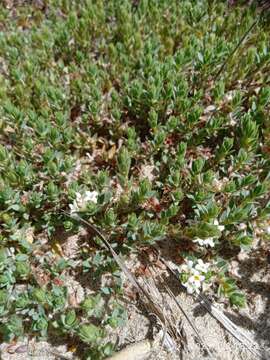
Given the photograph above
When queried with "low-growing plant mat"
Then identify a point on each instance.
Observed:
(141, 325)
(148, 120)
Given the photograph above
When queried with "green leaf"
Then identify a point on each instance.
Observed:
(93, 306)
(197, 165)
(124, 162)
(238, 299)
(39, 295)
(3, 296)
(200, 57)
(224, 149)
(242, 240)
(249, 133)
(89, 333)
(203, 230)
(13, 328)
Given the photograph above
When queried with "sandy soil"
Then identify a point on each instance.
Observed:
(254, 274)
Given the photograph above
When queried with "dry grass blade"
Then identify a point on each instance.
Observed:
(203, 344)
(146, 298)
(235, 49)
(170, 325)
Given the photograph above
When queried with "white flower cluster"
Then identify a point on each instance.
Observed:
(81, 201)
(196, 275)
(209, 241)
(218, 184)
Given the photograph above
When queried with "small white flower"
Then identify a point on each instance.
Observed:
(196, 279)
(81, 200)
(242, 226)
(91, 196)
(73, 207)
(229, 95)
(11, 252)
(205, 242)
(232, 121)
(209, 242)
(199, 241)
(194, 283)
(190, 288)
(220, 227)
(209, 109)
(78, 203)
(187, 267)
(78, 196)
(217, 184)
(267, 230)
(201, 266)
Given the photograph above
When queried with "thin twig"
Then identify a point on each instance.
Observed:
(169, 324)
(235, 49)
(144, 294)
(193, 326)
(114, 254)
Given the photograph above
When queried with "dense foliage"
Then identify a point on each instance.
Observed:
(118, 109)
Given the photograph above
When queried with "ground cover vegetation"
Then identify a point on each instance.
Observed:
(150, 119)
